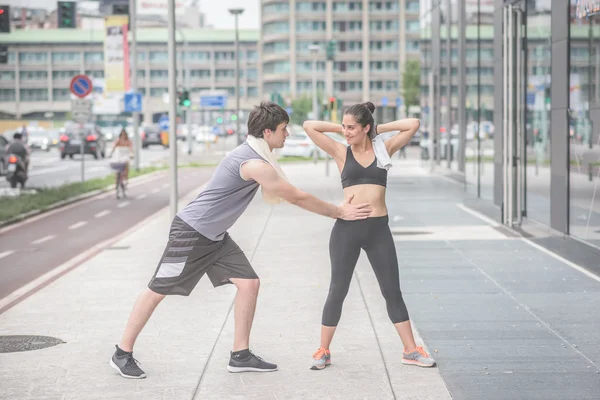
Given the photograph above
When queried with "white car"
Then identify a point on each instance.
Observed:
(204, 134)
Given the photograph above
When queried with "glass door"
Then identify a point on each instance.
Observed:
(514, 155)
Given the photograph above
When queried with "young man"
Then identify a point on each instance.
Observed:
(199, 243)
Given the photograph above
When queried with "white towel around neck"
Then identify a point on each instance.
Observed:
(384, 160)
(260, 146)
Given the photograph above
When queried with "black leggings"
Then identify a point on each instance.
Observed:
(374, 236)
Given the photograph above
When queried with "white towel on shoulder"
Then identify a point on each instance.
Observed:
(260, 146)
(384, 160)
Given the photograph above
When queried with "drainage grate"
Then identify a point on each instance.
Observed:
(16, 343)
(409, 233)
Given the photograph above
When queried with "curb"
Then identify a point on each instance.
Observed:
(71, 200)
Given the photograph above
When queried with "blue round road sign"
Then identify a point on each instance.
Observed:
(81, 86)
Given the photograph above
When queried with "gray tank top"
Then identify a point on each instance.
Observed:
(225, 197)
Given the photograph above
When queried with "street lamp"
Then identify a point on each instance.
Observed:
(236, 12)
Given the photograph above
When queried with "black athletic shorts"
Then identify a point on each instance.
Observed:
(189, 255)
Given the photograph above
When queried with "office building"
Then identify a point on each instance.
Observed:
(373, 41)
(511, 97)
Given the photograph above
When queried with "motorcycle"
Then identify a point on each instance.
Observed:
(15, 171)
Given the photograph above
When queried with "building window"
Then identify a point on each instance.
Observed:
(252, 56)
(344, 6)
(412, 6)
(305, 6)
(200, 73)
(412, 46)
(97, 73)
(197, 56)
(94, 57)
(224, 56)
(159, 74)
(224, 74)
(347, 66)
(7, 95)
(252, 91)
(252, 74)
(306, 66)
(303, 45)
(7, 76)
(66, 57)
(274, 28)
(63, 75)
(159, 56)
(277, 8)
(309, 27)
(60, 94)
(33, 75)
(277, 67)
(347, 26)
(34, 94)
(413, 26)
(230, 90)
(384, 26)
(158, 92)
(279, 87)
(33, 58)
(276, 47)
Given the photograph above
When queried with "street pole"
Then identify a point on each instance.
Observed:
(172, 109)
(187, 87)
(236, 12)
(136, 116)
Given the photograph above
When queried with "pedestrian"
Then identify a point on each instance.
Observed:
(200, 244)
(364, 165)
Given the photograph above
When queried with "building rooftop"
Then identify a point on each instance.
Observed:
(144, 35)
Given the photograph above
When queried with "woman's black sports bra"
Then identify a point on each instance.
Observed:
(355, 174)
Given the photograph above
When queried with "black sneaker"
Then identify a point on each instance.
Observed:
(250, 363)
(127, 366)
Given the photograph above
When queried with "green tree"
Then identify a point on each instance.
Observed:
(411, 77)
(301, 106)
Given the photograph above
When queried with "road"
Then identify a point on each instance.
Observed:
(35, 248)
(48, 170)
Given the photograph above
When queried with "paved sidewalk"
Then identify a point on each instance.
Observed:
(504, 319)
(185, 346)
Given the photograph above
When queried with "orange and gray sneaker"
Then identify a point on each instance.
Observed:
(321, 359)
(418, 357)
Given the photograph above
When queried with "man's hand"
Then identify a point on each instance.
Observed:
(351, 212)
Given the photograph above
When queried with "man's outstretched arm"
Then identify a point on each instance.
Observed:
(267, 177)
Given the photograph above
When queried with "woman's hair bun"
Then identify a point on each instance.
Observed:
(370, 106)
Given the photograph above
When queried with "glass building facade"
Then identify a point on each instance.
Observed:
(510, 105)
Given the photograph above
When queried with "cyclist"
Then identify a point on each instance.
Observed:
(124, 149)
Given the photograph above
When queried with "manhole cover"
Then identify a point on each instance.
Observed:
(15, 343)
(408, 233)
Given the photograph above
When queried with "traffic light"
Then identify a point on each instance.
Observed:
(67, 14)
(120, 9)
(330, 51)
(5, 19)
(219, 120)
(233, 117)
(184, 98)
(332, 103)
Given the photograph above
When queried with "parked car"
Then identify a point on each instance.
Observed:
(3, 143)
(151, 135)
(335, 136)
(91, 137)
(298, 144)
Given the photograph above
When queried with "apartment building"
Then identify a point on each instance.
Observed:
(374, 39)
(36, 79)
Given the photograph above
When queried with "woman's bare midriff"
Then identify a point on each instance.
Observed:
(374, 194)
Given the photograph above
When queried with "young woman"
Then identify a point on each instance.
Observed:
(124, 149)
(364, 179)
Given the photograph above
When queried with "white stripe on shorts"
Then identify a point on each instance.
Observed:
(170, 270)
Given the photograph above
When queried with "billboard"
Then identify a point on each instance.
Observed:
(116, 53)
(159, 7)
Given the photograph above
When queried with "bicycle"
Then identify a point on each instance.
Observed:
(120, 167)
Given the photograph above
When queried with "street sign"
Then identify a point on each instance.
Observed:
(133, 102)
(163, 122)
(81, 86)
(384, 101)
(530, 98)
(81, 110)
(215, 130)
(289, 110)
(218, 101)
(398, 102)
